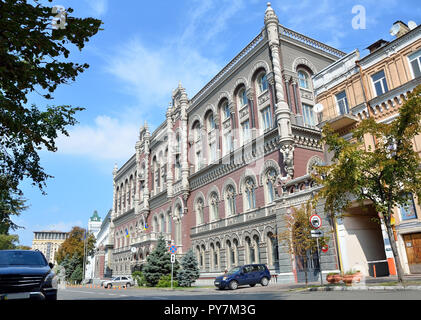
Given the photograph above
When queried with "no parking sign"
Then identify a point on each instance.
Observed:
(315, 221)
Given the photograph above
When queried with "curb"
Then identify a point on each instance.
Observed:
(367, 288)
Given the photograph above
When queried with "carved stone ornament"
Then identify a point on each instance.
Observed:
(288, 157)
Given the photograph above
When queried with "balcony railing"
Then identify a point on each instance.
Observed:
(235, 219)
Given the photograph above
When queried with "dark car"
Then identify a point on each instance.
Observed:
(26, 274)
(249, 274)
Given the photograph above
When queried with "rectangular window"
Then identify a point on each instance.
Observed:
(408, 211)
(379, 83)
(308, 114)
(246, 131)
(415, 61)
(342, 103)
(267, 118)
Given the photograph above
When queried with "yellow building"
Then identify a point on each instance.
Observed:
(48, 243)
(352, 89)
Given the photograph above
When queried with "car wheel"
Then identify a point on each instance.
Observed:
(233, 285)
(128, 285)
(109, 286)
(264, 282)
(252, 285)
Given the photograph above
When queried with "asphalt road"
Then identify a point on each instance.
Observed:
(245, 293)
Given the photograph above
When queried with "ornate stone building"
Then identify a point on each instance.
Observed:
(224, 167)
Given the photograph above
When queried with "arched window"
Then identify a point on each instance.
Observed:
(213, 206)
(272, 249)
(162, 223)
(218, 256)
(211, 122)
(249, 251)
(249, 188)
(168, 222)
(256, 249)
(303, 79)
(203, 257)
(213, 257)
(242, 98)
(155, 224)
(226, 110)
(229, 254)
(270, 185)
(178, 229)
(199, 211)
(230, 200)
(262, 82)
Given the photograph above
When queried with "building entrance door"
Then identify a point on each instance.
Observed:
(413, 251)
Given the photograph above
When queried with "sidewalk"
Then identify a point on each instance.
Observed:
(410, 282)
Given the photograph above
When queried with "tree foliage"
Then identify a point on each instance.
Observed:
(158, 264)
(33, 60)
(74, 245)
(189, 271)
(385, 175)
(8, 242)
(297, 235)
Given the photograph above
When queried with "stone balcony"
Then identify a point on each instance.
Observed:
(250, 215)
(149, 237)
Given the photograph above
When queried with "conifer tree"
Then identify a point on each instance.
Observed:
(158, 264)
(189, 270)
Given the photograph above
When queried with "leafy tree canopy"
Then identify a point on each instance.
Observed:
(388, 174)
(74, 245)
(33, 59)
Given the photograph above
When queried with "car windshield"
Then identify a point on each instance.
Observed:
(22, 258)
(234, 270)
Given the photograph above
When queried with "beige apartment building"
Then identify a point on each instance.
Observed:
(355, 88)
(48, 242)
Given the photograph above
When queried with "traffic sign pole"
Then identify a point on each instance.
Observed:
(172, 267)
(320, 262)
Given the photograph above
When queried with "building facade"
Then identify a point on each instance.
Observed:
(225, 166)
(48, 242)
(101, 263)
(355, 88)
(94, 226)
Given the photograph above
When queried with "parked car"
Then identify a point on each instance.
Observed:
(26, 274)
(249, 274)
(123, 281)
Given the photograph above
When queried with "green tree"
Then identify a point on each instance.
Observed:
(33, 59)
(75, 245)
(8, 242)
(77, 274)
(158, 264)
(297, 235)
(385, 175)
(189, 272)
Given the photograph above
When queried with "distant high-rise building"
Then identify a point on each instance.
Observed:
(48, 242)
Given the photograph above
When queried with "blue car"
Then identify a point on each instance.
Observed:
(249, 274)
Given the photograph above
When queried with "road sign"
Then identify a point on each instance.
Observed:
(325, 248)
(172, 258)
(315, 221)
(173, 249)
(317, 233)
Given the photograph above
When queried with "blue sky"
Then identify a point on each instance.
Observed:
(146, 48)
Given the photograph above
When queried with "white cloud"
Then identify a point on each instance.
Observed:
(99, 7)
(151, 74)
(108, 139)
